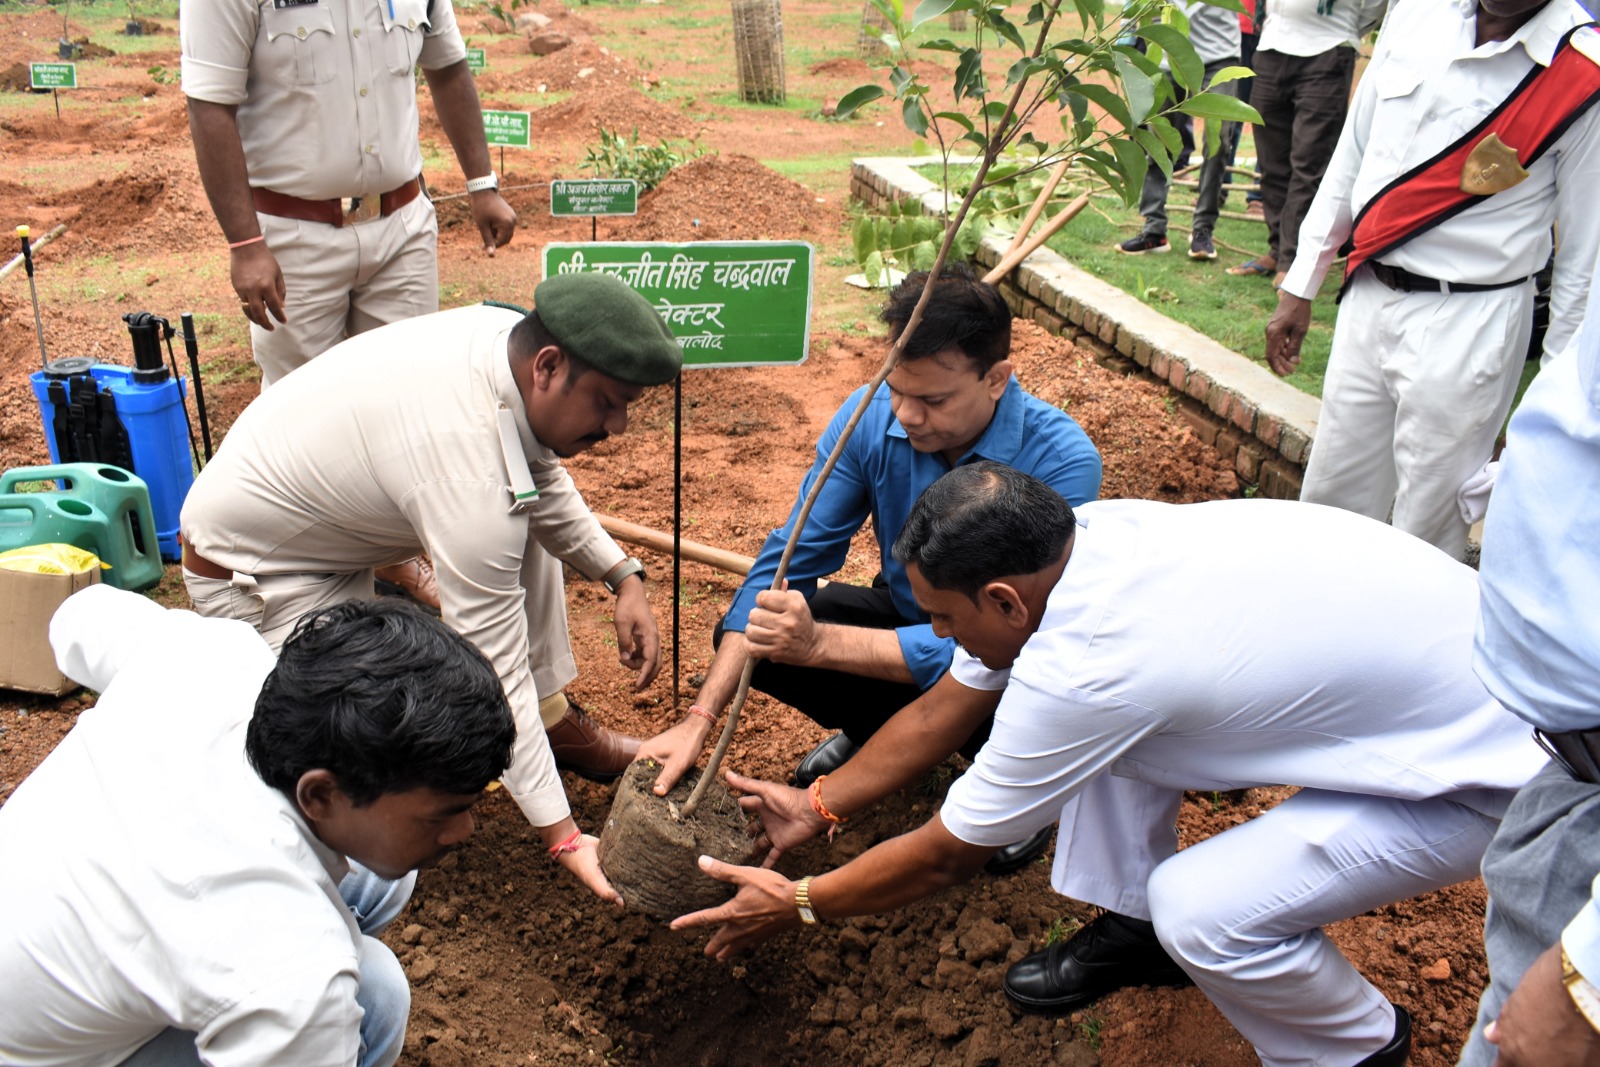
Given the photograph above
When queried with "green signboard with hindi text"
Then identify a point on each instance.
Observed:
(594, 196)
(53, 75)
(509, 128)
(476, 60)
(729, 303)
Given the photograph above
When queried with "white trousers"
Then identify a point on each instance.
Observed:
(345, 280)
(1417, 388)
(1242, 911)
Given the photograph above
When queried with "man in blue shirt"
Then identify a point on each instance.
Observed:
(849, 656)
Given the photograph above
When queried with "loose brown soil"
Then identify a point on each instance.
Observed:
(511, 963)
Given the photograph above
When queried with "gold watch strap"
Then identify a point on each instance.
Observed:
(802, 901)
(1585, 997)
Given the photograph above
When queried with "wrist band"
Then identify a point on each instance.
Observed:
(240, 244)
(483, 184)
(696, 709)
(815, 793)
(571, 844)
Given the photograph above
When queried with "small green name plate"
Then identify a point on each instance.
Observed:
(594, 196)
(53, 75)
(729, 303)
(476, 60)
(509, 128)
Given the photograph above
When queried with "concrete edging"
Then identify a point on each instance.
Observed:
(1261, 424)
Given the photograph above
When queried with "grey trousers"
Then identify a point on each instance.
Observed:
(1539, 870)
(1208, 201)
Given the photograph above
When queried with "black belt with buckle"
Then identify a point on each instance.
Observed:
(1403, 281)
(1576, 750)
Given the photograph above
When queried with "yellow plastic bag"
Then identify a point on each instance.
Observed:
(50, 559)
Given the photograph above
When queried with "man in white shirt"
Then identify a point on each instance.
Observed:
(194, 874)
(1470, 136)
(1121, 681)
(1304, 63)
(1538, 651)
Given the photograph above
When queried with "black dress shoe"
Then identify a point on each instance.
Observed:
(1395, 1053)
(1111, 952)
(1017, 856)
(824, 759)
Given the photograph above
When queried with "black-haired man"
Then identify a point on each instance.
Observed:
(850, 656)
(1120, 681)
(195, 873)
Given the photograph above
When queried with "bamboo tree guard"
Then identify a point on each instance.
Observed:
(869, 38)
(1003, 130)
(758, 50)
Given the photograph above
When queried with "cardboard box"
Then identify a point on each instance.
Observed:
(27, 601)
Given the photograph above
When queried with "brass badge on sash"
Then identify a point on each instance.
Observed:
(1492, 167)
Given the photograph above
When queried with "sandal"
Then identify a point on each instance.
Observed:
(1260, 267)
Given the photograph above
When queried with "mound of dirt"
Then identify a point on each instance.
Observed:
(729, 198)
(581, 65)
(621, 111)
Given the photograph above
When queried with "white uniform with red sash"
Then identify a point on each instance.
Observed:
(1419, 382)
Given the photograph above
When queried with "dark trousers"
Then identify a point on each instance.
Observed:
(1303, 101)
(1208, 200)
(852, 703)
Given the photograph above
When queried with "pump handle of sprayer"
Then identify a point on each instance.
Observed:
(27, 249)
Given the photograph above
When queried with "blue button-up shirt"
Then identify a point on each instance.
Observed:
(880, 476)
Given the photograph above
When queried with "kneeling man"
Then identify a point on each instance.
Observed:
(194, 874)
(1121, 681)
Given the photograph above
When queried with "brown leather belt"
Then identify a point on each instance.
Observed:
(333, 212)
(194, 561)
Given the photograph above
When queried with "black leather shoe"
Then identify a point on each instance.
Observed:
(1017, 856)
(1395, 1053)
(1111, 952)
(824, 759)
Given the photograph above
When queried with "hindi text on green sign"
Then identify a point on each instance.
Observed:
(729, 303)
(476, 60)
(508, 128)
(53, 75)
(594, 196)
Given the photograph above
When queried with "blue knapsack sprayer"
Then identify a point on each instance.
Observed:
(133, 418)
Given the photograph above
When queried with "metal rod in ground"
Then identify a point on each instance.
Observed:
(677, 523)
(191, 345)
(33, 289)
(17, 260)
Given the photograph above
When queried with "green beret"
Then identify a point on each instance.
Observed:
(609, 326)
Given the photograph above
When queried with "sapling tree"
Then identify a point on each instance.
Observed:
(1111, 100)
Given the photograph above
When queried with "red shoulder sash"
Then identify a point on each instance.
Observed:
(1535, 115)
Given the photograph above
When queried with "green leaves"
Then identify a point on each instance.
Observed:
(1137, 86)
(1187, 69)
(852, 101)
(1108, 101)
(969, 74)
(1219, 106)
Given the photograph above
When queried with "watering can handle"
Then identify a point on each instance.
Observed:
(50, 473)
(36, 504)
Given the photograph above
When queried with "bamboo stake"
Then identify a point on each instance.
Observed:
(644, 536)
(1049, 190)
(59, 229)
(1015, 256)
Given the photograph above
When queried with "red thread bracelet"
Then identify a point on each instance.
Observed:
(819, 807)
(696, 709)
(571, 844)
(251, 241)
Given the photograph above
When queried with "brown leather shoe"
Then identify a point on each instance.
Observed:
(414, 578)
(586, 748)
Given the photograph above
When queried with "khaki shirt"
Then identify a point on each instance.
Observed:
(388, 444)
(326, 89)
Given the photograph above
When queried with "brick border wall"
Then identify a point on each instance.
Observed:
(1260, 424)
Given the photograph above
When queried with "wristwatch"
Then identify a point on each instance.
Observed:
(483, 185)
(802, 901)
(621, 572)
(1583, 993)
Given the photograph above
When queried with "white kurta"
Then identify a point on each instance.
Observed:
(1243, 643)
(150, 878)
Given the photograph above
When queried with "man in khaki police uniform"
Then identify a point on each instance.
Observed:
(298, 106)
(446, 433)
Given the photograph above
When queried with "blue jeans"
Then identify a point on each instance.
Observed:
(384, 995)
